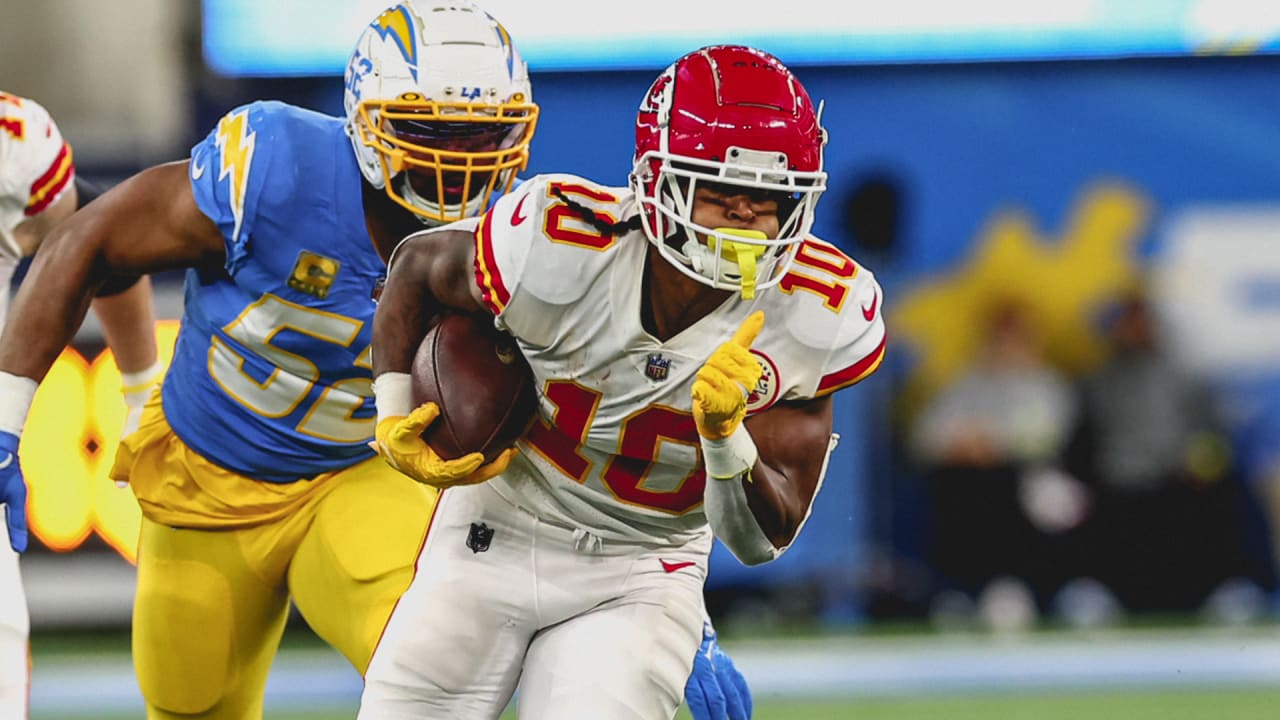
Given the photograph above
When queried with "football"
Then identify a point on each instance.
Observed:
(481, 382)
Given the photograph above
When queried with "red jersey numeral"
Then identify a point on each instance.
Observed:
(828, 261)
(13, 126)
(643, 433)
(557, 214)
(559, 440)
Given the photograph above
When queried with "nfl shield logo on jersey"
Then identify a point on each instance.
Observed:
(658, 367)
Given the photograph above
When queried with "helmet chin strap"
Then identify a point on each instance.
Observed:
(469, 208)
(719, 258)
(413, 198)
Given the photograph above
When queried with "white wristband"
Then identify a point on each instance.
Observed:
(138, 386)
(16, 393)
(393, 394)
(132, 382)
(730, 457)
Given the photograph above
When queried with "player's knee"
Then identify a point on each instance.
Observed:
(182, 635)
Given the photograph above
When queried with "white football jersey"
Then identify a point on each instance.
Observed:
(35, 169)
(616, 451)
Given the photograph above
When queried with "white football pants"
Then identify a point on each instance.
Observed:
(589, 630)
(15, 625)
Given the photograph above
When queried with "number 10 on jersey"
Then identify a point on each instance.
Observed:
(561, 443)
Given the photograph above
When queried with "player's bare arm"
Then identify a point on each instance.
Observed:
(128, 326)
(128, 321)
(792, 439)
(429, 272)
(127, 318)
(146, 224)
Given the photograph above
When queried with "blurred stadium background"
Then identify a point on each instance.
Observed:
(1045, 157)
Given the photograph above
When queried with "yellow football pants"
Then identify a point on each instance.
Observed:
(211, 603)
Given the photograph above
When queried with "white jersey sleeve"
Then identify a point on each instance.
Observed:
(530, 259)
(35, 166)
(828, 309)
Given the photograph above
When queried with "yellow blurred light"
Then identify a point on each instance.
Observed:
(67, 447)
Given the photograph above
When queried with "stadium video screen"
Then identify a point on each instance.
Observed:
(314, 37)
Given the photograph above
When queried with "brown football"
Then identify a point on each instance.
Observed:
(480, 380)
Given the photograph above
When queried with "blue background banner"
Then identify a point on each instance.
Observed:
(314, 37)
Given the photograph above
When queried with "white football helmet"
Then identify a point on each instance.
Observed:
(439, 108)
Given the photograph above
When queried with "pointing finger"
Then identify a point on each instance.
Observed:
(750, 328)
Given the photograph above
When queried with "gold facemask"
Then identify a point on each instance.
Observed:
(459, 183)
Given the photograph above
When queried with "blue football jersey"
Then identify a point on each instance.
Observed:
(272, 373)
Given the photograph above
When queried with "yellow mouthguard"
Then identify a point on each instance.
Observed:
(744, 255)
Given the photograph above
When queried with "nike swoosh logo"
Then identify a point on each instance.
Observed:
(8, 460)
(870, 312)
(516, 217)
(671, 567)
(197, 171)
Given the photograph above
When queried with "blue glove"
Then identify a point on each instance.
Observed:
(716, 690)
(13, 492)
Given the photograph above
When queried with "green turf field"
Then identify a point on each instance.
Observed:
(1133, 705)
(1239, 704)
(1185, 673)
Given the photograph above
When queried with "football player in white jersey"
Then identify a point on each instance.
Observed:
(39, 188)
(245, 508)
(685, 334)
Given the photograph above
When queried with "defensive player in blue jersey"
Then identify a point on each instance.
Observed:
(252, 465)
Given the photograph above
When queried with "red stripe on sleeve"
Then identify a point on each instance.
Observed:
(488, 278)
(853, 373)
(54, 167)
(50, 185)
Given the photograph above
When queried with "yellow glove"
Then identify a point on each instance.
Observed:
(723, 384)
(399, 442)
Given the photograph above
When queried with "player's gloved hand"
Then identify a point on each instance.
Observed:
(137, 388)
(13, 492)
(723, 384)
(716, 690)
(399, 442)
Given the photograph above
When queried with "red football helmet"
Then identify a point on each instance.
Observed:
(731, 115)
